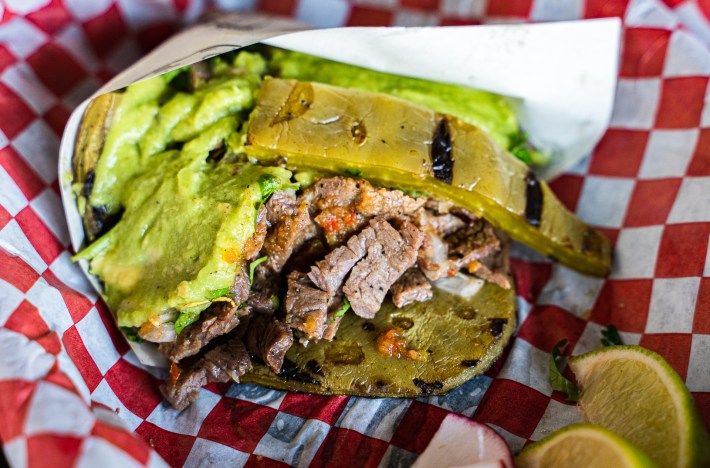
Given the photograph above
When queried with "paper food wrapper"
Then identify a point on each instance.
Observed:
(562, 77)
(73, 393)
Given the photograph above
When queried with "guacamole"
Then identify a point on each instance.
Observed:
(185, 217)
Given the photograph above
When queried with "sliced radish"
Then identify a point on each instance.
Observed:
(461, 442)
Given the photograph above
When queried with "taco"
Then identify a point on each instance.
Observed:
(262, 225)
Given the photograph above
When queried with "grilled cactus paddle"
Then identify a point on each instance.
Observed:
(454, 339)
(400, 144)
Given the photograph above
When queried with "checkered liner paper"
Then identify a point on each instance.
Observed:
(71, 391)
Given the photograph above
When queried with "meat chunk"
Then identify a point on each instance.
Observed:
(269, 339)
(339, 223)
(494, 268)
(389, 255)
(471, 243)
(387, 203)
(289, 233)
(347, 204)
(333, 191)
(240, 286)
(334, 318)
(264, 295)
(411, 287)
(253, 245)
(218, 319)
(440, 258)
(280, 205)
(441, 224)
(306, 306)
(411, 235)
(229, 361)
(329, 273)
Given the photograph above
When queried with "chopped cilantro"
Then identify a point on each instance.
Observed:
(215, 293)
(340, 312)
(411, 193)
(557, 380)
(186, 317)
(131, 334)
(519, 147)
(354, 172)
(268, 184)
(253, 265)
(522, 153)
(611, 337)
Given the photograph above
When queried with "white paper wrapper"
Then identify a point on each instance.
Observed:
(562, 74)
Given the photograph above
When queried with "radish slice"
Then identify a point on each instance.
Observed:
(461, 442)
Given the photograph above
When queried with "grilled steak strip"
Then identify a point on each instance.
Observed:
(329, 273)
(306, 306)
(279, 205)
(254, 244)
(291, 232)
(220, 318)
(333, 191)
(389, 255)
(388, 203)
(494, 268)
(228, 361)
(411, 287)
(471, 243)
(268, 339)
(217, 320)
(333, 322)
(264, 295)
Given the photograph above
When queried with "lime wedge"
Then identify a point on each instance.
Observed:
(582, 445)
(635, 393)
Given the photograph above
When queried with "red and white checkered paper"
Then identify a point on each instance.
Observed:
(71, 391)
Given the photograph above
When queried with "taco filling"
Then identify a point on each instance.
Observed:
(310, 237)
